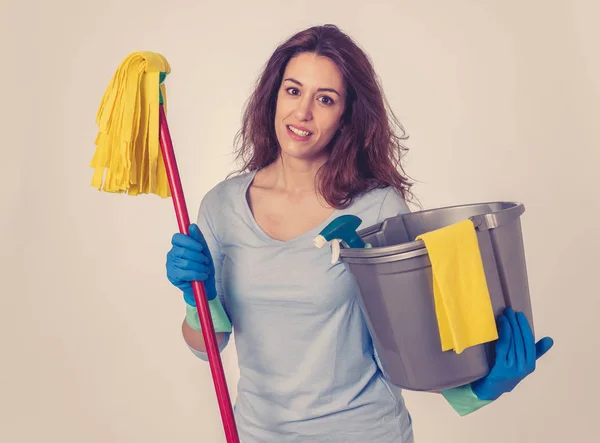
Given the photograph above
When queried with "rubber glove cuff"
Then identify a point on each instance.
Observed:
(219, 317)
(464, 400)
(209, 288)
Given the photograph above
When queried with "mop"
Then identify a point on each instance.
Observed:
(134, 155)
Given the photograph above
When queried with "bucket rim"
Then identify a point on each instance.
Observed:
(492, 220)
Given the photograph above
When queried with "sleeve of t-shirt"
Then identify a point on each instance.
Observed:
(393, 204)
(208, 221)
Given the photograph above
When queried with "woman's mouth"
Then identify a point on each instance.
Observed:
(298, 134)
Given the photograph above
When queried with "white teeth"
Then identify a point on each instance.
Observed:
(299, 132)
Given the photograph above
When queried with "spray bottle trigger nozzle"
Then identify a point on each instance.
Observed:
(335, 250)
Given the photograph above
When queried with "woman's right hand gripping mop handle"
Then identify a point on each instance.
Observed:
(198, 289)
(189, 262)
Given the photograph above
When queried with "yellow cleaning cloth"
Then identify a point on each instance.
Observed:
(462, 300)
(127, 145)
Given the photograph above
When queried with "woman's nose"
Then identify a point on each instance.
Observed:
(304, 109)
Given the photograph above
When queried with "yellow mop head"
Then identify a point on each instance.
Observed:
(127, 145)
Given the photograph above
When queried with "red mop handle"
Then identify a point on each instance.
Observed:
(206, 323)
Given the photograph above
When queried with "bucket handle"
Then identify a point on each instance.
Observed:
(499, 218)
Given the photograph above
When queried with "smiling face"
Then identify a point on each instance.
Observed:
(310, 105)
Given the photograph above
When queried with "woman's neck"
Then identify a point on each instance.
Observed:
(295, 176)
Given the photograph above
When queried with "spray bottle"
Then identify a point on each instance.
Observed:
(341, 230)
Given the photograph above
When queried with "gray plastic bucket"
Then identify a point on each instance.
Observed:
(395, 282)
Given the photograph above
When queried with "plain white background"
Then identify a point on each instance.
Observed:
(501, 102)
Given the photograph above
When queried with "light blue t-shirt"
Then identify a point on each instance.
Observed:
(308, 370)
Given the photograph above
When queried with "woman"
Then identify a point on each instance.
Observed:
(317, 143)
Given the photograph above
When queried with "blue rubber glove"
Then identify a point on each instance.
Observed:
(189, 260)
(516, 355)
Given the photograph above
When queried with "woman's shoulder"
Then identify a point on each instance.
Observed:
(224, 198)
(229, 188)
(377, 204)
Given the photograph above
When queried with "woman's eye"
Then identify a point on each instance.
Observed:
(293, 91)
(326, 100)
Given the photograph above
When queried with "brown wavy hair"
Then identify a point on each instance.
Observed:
(364, 154)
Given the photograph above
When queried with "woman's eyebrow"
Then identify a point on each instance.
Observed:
(293, 80)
